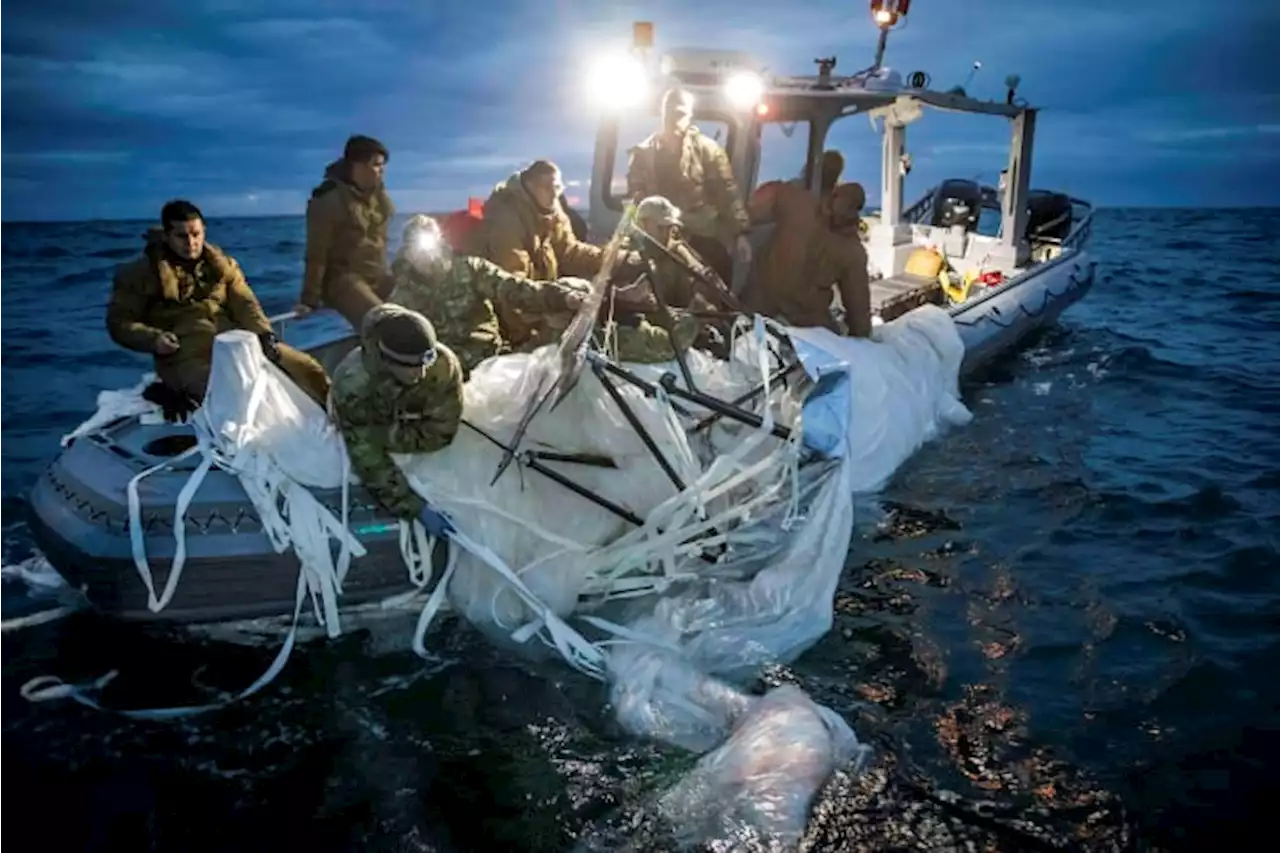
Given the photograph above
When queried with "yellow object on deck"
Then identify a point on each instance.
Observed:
(925, 262)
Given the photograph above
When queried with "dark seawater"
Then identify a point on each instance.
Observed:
(1062, 633)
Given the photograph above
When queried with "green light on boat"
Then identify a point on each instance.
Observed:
(380, 527)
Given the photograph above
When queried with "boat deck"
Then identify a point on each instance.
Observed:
(896, 295)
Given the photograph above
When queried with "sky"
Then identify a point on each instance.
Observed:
(111, 107)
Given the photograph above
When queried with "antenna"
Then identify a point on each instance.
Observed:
(977, 66)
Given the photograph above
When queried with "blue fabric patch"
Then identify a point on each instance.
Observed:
(826, 411)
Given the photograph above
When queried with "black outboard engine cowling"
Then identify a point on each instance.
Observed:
(1048, 215)
(957, 202)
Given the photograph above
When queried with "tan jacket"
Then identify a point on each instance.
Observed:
(525, 240)
(792, 276)
(155, 294)
(346, 233)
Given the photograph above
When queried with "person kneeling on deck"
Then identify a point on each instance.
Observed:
(177, 297)
(400, 391)
(469, 299)
(807, 254)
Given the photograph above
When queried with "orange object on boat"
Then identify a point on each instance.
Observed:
(458, 227)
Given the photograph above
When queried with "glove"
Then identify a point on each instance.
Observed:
(436, 522)
(270, 347)
(177, 405)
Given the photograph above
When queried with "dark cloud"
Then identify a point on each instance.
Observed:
(113, 104)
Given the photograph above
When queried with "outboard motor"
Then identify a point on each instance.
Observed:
(1048, 215)
(957, 202)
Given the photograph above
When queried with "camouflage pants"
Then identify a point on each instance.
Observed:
(637, 341)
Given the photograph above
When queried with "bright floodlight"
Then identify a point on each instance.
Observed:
(617, 82)
(744, 89)
(427, 242)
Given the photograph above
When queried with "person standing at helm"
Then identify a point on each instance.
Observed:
(691, 170)
(400, 391)
(347, 218)
(178, 296)
(467, 297)
(805, 257)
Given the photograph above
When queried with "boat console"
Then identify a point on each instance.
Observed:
(957, 202)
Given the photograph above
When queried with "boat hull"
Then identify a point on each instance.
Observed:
(1002, 317)
(80, 520)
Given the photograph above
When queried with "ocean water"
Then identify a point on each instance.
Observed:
(1059, 631)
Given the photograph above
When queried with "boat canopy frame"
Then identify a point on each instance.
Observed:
(821, 101)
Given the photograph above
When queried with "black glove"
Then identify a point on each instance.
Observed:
(176, 404)
(270, 347)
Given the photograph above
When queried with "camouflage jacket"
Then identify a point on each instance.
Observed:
(698, 179)
(464, 304)
(524, 240)
(154, 294)
(677, 285)
(379, 416)
(346, 233)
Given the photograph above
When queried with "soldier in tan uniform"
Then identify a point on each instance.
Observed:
(526, 232)
(178, 296)
(694, 173)
(347, 218)
(809, 252)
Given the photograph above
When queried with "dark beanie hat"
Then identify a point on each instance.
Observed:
(407, 336)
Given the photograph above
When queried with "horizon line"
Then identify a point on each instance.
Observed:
(114, 220)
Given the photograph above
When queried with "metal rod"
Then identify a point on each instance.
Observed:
(627, 413)
(530, 458)
(594, 460)
(599, 500)
(535, 465)
(722, 408)
(778, 376)
(649, 389)
(671, 333)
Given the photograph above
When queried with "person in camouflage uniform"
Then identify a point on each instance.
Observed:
(400, 391)
(181, 294)
(660, 221)
(347, 219)
(467, 298)
(691, 170)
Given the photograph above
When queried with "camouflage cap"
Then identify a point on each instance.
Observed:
(657, 210)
